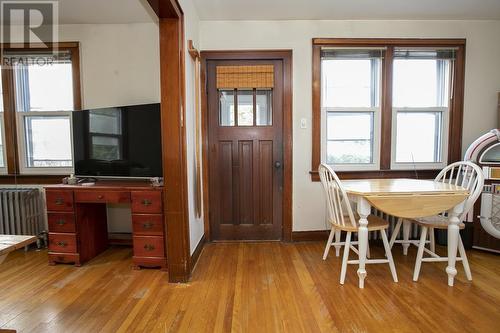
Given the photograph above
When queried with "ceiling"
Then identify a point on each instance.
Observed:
(136, 11)
(104, 11)
(348, 9)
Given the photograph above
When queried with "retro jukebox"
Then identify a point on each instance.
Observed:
(485, 151)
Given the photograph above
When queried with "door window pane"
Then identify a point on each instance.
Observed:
(350, 137)
(350, 82)
(264, 107)
(419, 137)
(421, 82)
(245, 107)
(226, 107)
(48, 141)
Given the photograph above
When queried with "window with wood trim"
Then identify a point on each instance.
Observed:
(387, 107)
(42, 88)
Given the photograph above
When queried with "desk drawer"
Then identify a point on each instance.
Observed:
(149, 246)
(63, 243)
(146, 202)
(102, 196)
(61, 222)
(149, 225)
(59, 200)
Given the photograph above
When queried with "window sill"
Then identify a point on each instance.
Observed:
(31, 179)
(422, 174)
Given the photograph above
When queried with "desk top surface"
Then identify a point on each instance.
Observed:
(109, 185)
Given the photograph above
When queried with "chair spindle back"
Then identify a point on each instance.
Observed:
(467, 175)
(337, 202)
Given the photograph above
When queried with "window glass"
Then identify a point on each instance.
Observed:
(264, 102)
(48, 141)
(419, 137)
(43, 84)
(1, 93)
(2, 151)
(226, 107)
(350, 137)
(2, 162)
(350, 82)
(420, 83)
(245, 107)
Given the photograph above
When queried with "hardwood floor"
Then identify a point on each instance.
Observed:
(247, 287)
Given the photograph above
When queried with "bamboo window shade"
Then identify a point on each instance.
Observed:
(234, 77)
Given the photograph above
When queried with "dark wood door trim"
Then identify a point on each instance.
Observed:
(172, 80)
(286, 57)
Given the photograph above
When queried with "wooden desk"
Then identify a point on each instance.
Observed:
(408, 198)
(78, 224)
(9, 243)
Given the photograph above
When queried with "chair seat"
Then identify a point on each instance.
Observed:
(374, 223)
(436, 222)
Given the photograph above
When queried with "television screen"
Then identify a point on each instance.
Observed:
(118, 142)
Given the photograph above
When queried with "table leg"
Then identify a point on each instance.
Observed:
(364, 209)
(453, 236)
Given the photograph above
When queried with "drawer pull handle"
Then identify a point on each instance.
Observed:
(149, 247)
(147, 225)
(62, 244)
(146, 202)
(100, 196)
(61, 222)
(59, 201)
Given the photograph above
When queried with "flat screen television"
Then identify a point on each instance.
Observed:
(118, 142)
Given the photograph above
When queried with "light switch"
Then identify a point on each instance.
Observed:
(303, 123)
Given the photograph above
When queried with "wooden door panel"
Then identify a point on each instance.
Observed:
(244, 179)
(225, 178)
(266, 169)
(245, 175)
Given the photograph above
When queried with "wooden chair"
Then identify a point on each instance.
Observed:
(342, 218)
(465, 174)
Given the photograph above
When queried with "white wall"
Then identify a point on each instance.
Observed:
(481, 86)
(119, 63)
(191, 31)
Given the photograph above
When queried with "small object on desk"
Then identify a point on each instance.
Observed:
(72, 180)
(88, 184)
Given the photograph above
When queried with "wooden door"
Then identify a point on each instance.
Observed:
(245, 149)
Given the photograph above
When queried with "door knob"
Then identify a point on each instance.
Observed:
(277, 164)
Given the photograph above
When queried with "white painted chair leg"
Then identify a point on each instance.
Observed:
(337, 242)
(432, 241)
(329, 243)
(406, 236)
(465, 262)
(420, 253)
(389, 255)
(395, 232)
(345, 257)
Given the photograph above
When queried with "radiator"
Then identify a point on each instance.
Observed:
(21, 211)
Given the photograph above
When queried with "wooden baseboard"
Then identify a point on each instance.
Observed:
(196, 254)
(307, 236)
